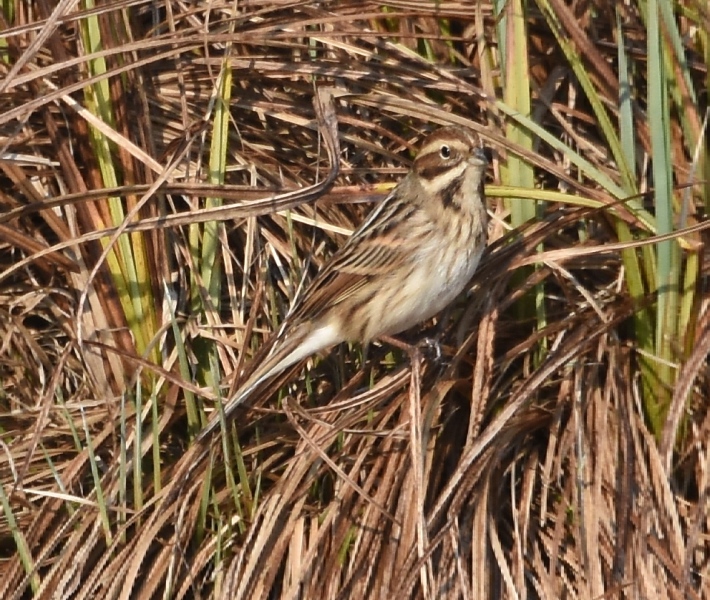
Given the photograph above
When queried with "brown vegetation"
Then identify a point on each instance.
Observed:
(557, 448)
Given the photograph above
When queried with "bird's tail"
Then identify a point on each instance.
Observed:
(273, 358)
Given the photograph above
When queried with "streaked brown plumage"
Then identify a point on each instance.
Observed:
(407, 261)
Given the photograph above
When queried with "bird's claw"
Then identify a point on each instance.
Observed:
(432, 344)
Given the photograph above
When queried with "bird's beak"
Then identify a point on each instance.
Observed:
(481, 154)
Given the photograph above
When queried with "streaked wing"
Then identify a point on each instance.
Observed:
(379, 247)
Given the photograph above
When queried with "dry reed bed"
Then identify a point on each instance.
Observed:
(519, 463)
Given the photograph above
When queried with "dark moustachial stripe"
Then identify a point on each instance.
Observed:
(449, 193)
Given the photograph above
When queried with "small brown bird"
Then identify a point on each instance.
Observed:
(408, 260)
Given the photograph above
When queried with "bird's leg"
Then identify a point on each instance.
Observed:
(412, 350)
(365, 351)
(432, 344)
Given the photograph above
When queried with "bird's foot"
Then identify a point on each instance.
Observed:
(432, 346)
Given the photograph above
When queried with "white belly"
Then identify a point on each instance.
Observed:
(429, 291)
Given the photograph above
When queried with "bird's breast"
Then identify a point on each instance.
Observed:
(434, 280)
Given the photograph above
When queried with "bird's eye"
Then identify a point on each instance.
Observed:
(445, 151)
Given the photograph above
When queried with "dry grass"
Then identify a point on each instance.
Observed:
(527, 461)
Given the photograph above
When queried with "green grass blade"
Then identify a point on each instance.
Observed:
(18, 536)
(668, 251)
(590, 90)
